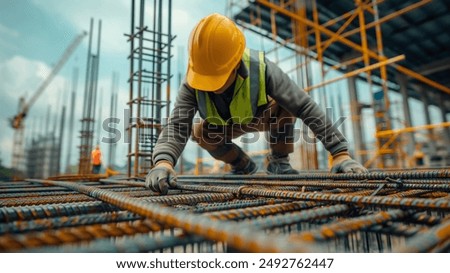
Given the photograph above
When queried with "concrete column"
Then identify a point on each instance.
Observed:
(426, 104)
(403, 83)
(356, 120)
(444, 110)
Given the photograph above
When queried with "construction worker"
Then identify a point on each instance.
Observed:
(237, 90)
(96, 160)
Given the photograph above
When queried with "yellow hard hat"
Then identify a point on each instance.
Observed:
(216, 46)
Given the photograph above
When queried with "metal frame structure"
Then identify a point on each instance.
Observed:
(150, 71)
(297, 25)
(392, 135)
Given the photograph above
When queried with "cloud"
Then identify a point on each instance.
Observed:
(8, 37)
(6, 31)
(114, 16)
(22, 77)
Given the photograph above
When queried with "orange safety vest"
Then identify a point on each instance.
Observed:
(96, 157)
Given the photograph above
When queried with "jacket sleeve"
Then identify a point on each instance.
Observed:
(175, 134)
(295, 100)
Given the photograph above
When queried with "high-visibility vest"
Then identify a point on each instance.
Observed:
(249, 93)
(96, 157)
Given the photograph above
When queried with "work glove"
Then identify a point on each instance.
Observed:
(343, 163)
(161, 177)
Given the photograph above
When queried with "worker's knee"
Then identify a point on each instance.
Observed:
(197, 131)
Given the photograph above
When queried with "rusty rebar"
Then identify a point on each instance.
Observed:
(237, 214)
(45, 200)
(427, 240)
(137, 243)
(12, 242)
(396, 229)
(189, 198)
(322, 184)
(10, 214)
(299, 216)
(407, 203)
(234, 204)
(247, 239)
(343, 228)
(67, 221)
(426, 174)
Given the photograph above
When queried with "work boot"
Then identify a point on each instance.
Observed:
(280, 165)
(250, 168)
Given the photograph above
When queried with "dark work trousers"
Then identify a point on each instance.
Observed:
(96, 168)
(217, 140)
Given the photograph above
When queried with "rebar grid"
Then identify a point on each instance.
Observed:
(75, 234)
(317, 212)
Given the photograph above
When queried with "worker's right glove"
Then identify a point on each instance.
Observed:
(343, 163)
(161, 177)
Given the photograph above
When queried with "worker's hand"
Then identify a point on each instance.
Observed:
(161, 177)
(343, 163)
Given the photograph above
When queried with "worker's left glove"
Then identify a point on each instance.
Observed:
(161, 177)
(343, 163)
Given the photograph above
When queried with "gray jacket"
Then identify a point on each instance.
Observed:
(279, 86)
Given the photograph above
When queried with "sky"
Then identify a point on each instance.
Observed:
(35, 33)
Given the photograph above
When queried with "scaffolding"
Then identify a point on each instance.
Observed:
(315, 37)
(150, 54)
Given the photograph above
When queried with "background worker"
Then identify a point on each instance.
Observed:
(236, 91)
(96, 160)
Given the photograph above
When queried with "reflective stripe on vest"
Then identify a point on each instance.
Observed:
(249, 93)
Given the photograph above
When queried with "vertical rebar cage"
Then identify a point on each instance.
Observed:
(150, 53)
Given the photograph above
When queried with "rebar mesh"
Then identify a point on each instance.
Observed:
(318, 212)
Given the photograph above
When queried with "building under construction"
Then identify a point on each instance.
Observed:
(374, 61)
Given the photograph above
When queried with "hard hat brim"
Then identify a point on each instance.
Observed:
(209, 83)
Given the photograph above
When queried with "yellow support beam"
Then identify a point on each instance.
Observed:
(393, 134)
(385, 18)
(353, 45)
(412, 129)
(357, 71)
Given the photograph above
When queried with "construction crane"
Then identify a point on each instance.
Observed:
(17, 122)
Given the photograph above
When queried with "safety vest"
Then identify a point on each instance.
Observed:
(96, 157)
(249, 93)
